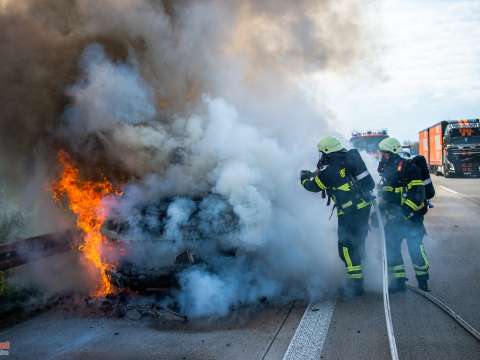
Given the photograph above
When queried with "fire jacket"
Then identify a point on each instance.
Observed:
(343, 176)
(402, 186)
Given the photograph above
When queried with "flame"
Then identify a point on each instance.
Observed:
(85, 201)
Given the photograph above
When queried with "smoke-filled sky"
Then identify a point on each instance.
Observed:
(426, 69)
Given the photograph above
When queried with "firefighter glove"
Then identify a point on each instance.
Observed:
(407, 212)
(409, 216)
(306, 174)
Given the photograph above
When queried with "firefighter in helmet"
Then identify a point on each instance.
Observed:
(403, 205)
(342, 176)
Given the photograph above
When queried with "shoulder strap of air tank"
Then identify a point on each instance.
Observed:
(402, 168)
(351, 178)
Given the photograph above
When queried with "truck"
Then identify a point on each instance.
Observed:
(452, 147)
(368, 140)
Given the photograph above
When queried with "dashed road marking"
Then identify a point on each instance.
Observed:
(463, 196)
(449, 190)
(307, 342)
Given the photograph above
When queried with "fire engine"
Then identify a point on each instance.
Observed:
(368, 140)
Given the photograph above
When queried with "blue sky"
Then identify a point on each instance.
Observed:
(423, 66)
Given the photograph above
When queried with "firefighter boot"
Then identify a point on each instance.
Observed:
(423, 283)
(351, 289)
(397, 285)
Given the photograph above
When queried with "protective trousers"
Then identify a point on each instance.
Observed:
(396, 230)
(352, 232)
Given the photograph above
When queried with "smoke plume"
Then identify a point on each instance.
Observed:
(193, 109)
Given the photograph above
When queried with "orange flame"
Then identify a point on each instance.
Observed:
(85, 201)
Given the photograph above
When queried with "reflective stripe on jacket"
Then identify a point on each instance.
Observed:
(401, 185)
(345, 178)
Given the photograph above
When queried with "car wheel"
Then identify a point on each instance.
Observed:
(446, 173)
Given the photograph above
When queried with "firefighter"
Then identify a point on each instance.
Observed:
(403, 205)
(343, 177)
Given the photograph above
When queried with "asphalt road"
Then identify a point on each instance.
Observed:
(453, 248)
(468, 188)
(356, 330)
(423, 331)
(454, 241)
(245, 334)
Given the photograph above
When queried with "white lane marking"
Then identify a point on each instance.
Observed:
(386, 299)
(307, 342)
(449, 190)
(463, 196)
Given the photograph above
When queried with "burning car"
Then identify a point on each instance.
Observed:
(145, 247)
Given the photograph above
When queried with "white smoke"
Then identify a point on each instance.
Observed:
(206, 293)
(109, 93)
(12, 219)
(279, 232)
(207, 121)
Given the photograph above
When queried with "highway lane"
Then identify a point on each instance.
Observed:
(422, 331)
(453, 245)
(356, 330)
(248, 333)
(468, 187)
(453, 248)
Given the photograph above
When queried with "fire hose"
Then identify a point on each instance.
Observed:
(463, 323)
(386, 299)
